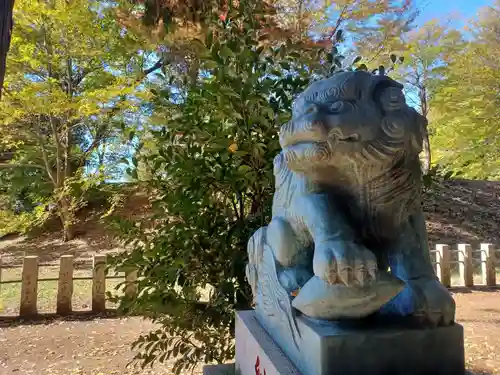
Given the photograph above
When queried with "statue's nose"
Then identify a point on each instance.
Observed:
(308, 128)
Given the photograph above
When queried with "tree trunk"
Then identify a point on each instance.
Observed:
(426, 142)
(66, 220)
(6, 9)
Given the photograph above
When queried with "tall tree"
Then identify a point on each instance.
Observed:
(374, 27)
(466, 106)
(6, 9)
(426, 53)
(71, 73)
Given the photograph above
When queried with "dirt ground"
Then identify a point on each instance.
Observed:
(102, 346)
(479, 313)
(80, 347)
(458, 212)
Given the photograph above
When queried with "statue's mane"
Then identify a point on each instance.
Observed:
(399, 132)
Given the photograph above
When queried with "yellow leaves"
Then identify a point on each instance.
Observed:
(233, 148)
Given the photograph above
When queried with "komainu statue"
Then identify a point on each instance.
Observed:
(347, 239)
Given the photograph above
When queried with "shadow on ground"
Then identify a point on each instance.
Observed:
(476, 288)
(45, 319)
(463, 211)
(49, 247)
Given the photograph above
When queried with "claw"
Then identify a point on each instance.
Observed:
(344, 275)
(360, 272)
(345, 263)
(435, 306)
(332, 276)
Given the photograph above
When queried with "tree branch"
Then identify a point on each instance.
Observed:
(12, 165)
(48, 169)
(150, 70)
(58, 151)
(339, 21)
(99, 136)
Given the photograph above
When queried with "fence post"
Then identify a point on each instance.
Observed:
(488, 269)
(65, 285)
(443, 264)
(29, 287)
(99, 284)
(131, 283)
(465, 264)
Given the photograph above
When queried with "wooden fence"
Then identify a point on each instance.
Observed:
(443, 257)
(30, 279)
(466, 258)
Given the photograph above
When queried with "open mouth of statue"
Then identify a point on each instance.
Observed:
(336, 136)
(350, 138)
(336, 140)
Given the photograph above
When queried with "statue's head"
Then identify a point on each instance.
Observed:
(352, 117)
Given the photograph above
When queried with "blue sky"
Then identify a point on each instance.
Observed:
(442, 9)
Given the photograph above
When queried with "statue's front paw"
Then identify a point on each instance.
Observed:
(433, 303)
(343, 262)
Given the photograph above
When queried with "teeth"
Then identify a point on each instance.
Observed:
(335, 133)
(353, 137)
(332, 141)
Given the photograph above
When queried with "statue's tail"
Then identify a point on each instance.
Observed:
(255, 250)
(262, 273)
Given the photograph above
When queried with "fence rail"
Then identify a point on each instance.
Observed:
(467, 262)
(443, 257)
(30, 279)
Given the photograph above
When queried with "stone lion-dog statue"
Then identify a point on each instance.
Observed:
(347, 237)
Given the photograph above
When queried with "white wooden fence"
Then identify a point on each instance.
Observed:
(467, 260)
(443, 257)
(30, 279)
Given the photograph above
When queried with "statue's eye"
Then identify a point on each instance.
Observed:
(337, 107)
(311, 109)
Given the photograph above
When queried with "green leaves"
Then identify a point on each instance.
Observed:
(455, 82)
(225, 52)
(72, 75)
(212, 170)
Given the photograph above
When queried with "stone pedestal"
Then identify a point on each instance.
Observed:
(331, 349)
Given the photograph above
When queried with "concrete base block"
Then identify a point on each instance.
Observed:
(225, 369)
(331, 349)
(256, 352)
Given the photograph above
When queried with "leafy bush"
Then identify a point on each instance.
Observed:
(212, 173)
(211, 170)
(12, 223)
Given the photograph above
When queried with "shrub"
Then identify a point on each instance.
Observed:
(211, 171)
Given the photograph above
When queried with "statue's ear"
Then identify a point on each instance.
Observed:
(387, 93)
